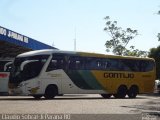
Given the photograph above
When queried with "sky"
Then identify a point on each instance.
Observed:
(60, 22)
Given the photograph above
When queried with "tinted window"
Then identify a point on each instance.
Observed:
(146, 66)
(113, 64)
(57, 62)
(87, 63)
(135, 65)
(94, 63)
(76, 62)
(30, 70)
(130, 65)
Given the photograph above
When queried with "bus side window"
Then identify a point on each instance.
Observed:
(74, 63)
(106, 64)
(146, 66)
(101, 64)
(91, 64)
(130, 65)
(57, 62)
(114, 63)
(123, 66)
(150, 66)
(52, 65)
(78, 64)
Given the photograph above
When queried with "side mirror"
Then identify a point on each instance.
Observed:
(6, 65)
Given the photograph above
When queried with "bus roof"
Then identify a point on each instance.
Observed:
(44, 52)
(51, 51)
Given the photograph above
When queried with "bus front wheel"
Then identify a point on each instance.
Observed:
(133, 91)
(106, 95)
(50, 92)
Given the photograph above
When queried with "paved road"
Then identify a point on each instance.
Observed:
(79, 104)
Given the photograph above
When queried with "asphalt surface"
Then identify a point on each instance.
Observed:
(82, 107)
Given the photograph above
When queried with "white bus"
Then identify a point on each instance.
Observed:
(5, 68)
(51, 72)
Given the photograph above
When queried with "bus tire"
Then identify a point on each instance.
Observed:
(106, 95)
(51, 91)
(133, 91)
(37, 96)
(121, 92)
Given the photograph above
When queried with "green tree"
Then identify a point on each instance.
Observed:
(120, 39)
(158, 36)
(155, 53)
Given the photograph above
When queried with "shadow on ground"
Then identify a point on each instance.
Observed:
(64, 97)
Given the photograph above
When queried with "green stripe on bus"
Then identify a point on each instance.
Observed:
(84, 79)
(90, 79)
(78, 80)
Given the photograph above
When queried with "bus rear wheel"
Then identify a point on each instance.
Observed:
(121, 92)
(133, 91)
(106, 95)
(50, 92)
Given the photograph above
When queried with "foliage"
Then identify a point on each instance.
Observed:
(155, 53)
(158, 36)
(135, 52)
(120, 39)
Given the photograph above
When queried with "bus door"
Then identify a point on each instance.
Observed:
(57, 72)
(70, 75)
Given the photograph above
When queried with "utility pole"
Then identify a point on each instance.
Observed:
(75, 40)
(53, 44)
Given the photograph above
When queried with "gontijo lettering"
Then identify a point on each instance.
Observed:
(118, 75)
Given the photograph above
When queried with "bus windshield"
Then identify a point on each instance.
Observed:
(30, 70)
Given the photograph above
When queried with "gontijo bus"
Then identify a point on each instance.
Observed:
(51, 72)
